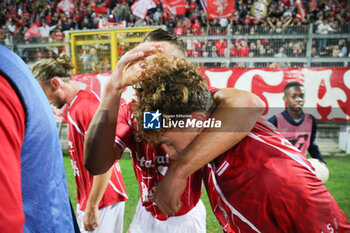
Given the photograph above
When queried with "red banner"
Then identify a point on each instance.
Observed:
(218, 9)
(33, 31)
(141, 7)
(327, 90)
(102, 24)
(66, 6)
(176, 7)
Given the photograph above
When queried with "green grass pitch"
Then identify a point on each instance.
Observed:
(338, 185)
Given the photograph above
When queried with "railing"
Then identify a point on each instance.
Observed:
(298, 46)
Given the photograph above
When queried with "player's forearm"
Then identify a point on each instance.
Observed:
(99, 150)
(238, 112)
(98, 188)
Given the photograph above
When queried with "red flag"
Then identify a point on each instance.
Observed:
(218, 9)
(176, 7)
(312, 5)
(66, 5)
(141, 7)
(33, 31)
(301, 10)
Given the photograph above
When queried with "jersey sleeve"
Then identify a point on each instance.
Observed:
(123, 131)
(12, 130)
(313, 149)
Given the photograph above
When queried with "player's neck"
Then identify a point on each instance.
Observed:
(71, 91)
(295, 115)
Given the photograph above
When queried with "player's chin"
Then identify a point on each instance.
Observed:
(297, 107)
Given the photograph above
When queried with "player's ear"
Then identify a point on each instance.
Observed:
(285, 98)
(55, 83)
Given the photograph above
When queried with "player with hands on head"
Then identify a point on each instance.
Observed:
(100, 199)
(113, 129)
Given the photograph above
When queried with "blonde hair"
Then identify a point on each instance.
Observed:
(45, 69)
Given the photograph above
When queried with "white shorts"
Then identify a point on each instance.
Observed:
(192, 222)
(110, 217)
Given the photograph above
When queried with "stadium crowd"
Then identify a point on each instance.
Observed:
(276, 17)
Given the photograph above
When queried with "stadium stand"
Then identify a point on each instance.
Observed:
(246, 35)
(265, 33)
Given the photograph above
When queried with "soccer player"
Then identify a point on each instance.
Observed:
(263, 184)
(34, 196)
(150, 162)
(100, 199)
(295, 125)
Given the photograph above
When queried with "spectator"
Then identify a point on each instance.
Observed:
(157, 16)
(45, 31)
(323, 29)
(140, 22)
(91, 62)
(69, 24)
(343, 48)
(193, 6)
(125, 11)
(58, 35)
(100, 9)
(278, 26)
(281, 54)
(214, 52)
(117, 12)
(196, 27)
(179, 30)
(11, 26)
(243, 49)
(233, 50)
(87, 24)
(262, 52)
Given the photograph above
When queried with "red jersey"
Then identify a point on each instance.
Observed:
(299, 135)
(59, 36)
(12, 129)
(264, 184)
(80, 112)
(150, 165)
(179, 31)
(244, 51)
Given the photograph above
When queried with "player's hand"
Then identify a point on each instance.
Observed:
(140, 52)
(168, 193)
(90, 219)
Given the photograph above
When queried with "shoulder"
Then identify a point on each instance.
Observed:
(87, 97)
(314, 121)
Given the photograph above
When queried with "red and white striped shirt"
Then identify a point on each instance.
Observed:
(80, 113)
(150, 165)
(265, 184)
